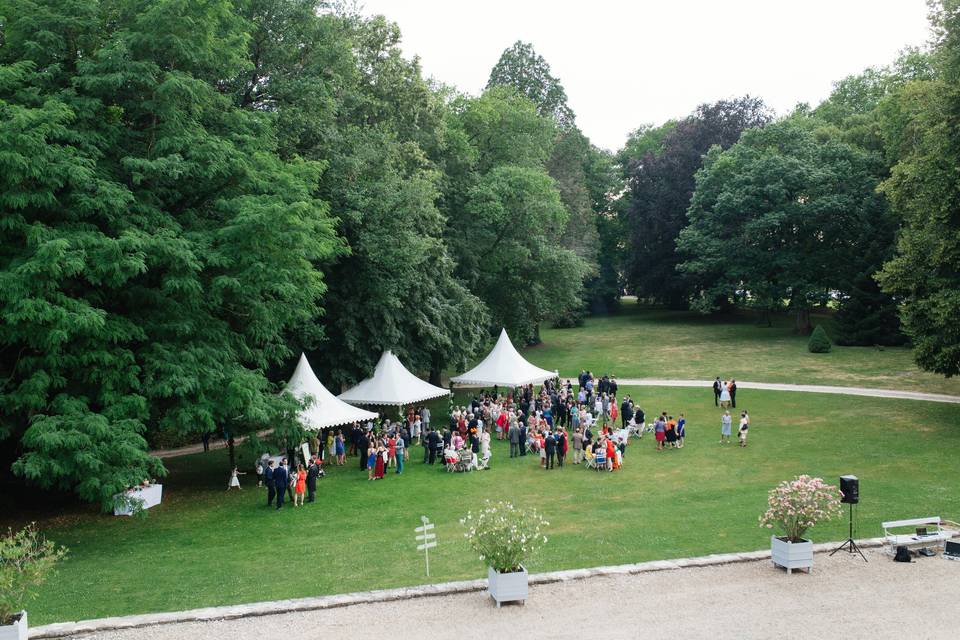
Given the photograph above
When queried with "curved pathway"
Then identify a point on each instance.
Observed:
(776, 386)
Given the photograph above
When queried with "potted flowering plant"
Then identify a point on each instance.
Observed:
(505, 536)
(794, 506)
(26, 560)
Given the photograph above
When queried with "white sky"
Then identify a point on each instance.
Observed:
(632, 62)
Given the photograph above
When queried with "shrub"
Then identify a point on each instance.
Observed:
(795, 505)
(819, 341)
(504, 535)
(26, 561)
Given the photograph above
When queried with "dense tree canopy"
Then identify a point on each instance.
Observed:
(782, 216)
(922, 125)
(661, 182)
(155, 249)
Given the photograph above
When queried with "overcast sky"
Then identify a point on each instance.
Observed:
(632, 62)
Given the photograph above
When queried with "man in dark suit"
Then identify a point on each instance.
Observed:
(561, 447)
(313, 471)
(626, 411)
(281, 482)
(362, 444)
(434, 443)
(523, 436)
(733, 393)
(268, 479)
(716, 391)
(550, 445)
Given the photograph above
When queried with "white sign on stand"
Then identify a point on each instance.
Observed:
(426, 540)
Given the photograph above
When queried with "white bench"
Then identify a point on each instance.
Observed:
(936, 534)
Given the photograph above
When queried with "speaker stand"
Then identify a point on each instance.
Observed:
(850, 545)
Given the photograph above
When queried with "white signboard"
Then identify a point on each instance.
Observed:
(426, 539)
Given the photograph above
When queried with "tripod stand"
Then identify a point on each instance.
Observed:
(850, 545)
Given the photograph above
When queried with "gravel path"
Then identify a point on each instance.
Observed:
(776, 386)
(844, 598)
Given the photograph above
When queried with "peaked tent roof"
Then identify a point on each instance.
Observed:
(504, 366)
(392, 384)
(326, 410)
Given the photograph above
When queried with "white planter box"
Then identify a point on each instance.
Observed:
(507, 587)
(791, 555)
(15, 631)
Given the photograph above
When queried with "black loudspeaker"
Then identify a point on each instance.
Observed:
(850, 488)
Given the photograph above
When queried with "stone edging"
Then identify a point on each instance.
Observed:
(65, 629)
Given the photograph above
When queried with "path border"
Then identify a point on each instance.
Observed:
(231, 612)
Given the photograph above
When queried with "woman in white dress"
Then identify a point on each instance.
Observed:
(484, 444)
(724, 396)
(234, 479)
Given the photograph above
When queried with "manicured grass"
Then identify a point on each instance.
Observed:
(640, 342)
(204, 546)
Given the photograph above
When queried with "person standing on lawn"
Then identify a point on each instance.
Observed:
(725, 427)
(626, 411)
(363, 449)
(280, 483)
(268, 479)
(550, 445)
(400, 449)
(681, 431)
(561, 438)
(660, 432)
(513, 435)
(724, 396)
(742, 431)
(313, 472)
(577, 445)
(300, 486)
(733, 393)
(716, 391)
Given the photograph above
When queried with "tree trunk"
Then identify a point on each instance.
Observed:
(436, 368)
(801, 325)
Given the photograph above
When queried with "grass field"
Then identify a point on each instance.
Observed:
(204, 546)
(640, 342)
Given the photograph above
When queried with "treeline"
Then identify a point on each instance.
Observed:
(193, 192)
(853, 204)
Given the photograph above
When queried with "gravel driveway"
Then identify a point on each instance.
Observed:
(844, 598)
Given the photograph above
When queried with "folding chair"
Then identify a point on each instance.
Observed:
(600, 461)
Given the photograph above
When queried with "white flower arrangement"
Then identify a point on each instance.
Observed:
(798, 504)
(504, 535)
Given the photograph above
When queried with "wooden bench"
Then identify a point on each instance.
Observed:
(936, 534)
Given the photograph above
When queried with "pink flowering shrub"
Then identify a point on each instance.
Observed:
(795, 505)
(505, 535)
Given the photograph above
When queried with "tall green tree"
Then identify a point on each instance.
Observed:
(155, 251)
(506, 215)
(661, 183)
(922, 125)
(781, 216)
(526, 71)
(343, 94)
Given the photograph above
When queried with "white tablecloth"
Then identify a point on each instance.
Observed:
(149, 496)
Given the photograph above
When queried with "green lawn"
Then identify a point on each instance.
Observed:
(655, 343)
(204, 546)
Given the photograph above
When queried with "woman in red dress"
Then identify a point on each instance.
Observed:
(379, 464)
(301, 487)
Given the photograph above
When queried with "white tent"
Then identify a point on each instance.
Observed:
(392, 384)
(505, 367)
(326, 410)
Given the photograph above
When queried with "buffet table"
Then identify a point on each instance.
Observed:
(148, 496)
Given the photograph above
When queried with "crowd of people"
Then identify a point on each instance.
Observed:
(557, 424)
